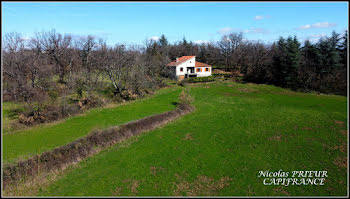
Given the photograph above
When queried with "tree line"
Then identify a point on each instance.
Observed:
(320, 66)
(57, 75)
(51, 65)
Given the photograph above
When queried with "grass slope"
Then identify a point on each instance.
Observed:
(236, 131)
(38, 139)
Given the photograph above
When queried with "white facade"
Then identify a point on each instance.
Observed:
(204, 73)
(188, 63)
(189, 69)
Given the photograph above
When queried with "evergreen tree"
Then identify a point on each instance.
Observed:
(186, 48)
(344, 49)
(329, 55)
(310, 61)
(311, 56)
(292, 62)
(164, 45)
(279, 62)
(334, 39)
(184, 41)
(163, 41)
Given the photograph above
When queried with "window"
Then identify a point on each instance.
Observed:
(198, 70)
(207, 69)
(181, 69)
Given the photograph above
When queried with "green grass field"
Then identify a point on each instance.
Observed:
(236, 131)
(25, 143)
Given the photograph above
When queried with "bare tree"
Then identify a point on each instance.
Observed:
(257, 64)
(86, 46)
(114, 62)
(58, 47)
(229, 44)
(36, 60)
(88, 55)
(15, 71)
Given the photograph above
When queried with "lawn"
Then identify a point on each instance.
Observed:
(25, 143)
(236, 131)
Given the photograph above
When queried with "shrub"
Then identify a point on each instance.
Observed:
(90, 102)
(47, 113)
(40, 113)
(222, 75)
(161, 82)
(182, 82)
(185, 100)
(53, 93)
(219, 67)
(239, 79)
(108, 92)
(128, 95)
(200, 79)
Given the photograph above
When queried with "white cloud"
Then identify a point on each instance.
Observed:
(201, 42)
(307, 26)
(323, 25)
(254, 30)
(317, 35)
(224, 30)
(250, 30)
(314, 37)
(259, 17)
(154, 38)
(317, 25)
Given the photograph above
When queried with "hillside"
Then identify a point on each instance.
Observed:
(236, 131)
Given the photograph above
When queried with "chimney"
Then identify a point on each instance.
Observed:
(177, 59)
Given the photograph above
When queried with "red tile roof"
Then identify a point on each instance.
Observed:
(181, 59)
(200, 64)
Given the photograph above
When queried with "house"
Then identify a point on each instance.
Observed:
(187, 66)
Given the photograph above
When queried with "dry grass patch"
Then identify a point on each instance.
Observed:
(230, 94)
(342, 148)
(188, 136)
(154, 170)
(218, 71)
(250, 191)
(33, 185)
(340, 123)
(132, 185)
(281, 190)
(344, 132)
(202, 185)
(306, 128)
(276, 138)
(117, 191)
(341, 162)
(246, 90)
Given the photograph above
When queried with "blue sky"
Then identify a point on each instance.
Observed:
(133, 23)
